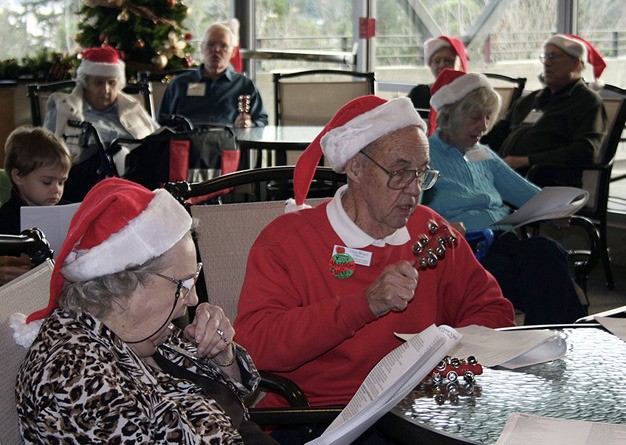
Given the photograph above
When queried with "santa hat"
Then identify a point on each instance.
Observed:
(119, 224)
(103, 62)
(357, 124)
(432, 45)
(450, 87)
(578, 47)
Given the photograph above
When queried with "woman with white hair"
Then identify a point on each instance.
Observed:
(473, 188)
(99, 100)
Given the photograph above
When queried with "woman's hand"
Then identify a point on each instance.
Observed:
(212, 332)
(243, 120)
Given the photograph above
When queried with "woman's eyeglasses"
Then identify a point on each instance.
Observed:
(187, 284)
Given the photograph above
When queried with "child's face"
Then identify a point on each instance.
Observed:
(41, 187)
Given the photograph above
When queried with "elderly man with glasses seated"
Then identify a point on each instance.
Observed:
(562, 124)
(215, 92)
(327, 287)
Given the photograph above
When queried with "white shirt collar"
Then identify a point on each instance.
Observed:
(351, 234)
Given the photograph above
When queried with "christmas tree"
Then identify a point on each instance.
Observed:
(149, 33)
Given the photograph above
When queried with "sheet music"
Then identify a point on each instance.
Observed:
(53, 221)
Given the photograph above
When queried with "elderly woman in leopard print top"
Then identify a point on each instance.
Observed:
(108, 365)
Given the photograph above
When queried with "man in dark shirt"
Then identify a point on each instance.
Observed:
(562, 124)
(211, 94)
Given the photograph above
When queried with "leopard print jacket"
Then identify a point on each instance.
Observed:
(80, 383)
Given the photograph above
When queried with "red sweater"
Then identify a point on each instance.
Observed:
(299, 321)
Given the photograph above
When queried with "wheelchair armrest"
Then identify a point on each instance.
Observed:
(31, 242)
(284, 387)
(295, 416)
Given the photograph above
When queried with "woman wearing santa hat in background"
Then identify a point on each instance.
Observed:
(99, 100)
(532, 272)
(439, 53)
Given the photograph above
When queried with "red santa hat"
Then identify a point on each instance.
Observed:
(432, 45)
(578, 47)
(119, 224)
(450, 87)
(103, 62)
(357, 124)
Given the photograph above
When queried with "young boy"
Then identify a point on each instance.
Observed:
(37, 163)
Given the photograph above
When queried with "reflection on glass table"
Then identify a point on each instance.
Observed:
(589, 383)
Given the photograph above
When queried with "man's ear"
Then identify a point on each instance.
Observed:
(355, 168)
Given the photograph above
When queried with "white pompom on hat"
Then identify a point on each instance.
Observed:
(119, 224)
(450, 87)
(358, 123)
(432, 45)
(102, 62)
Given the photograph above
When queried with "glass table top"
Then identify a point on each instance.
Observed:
(588, 383)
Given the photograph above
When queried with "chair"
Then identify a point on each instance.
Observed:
(158, 82)
(509, 88)
(225, 234)
(254, 181)
(39, 93)
(313, 97)
(33, 289)
(596, 178)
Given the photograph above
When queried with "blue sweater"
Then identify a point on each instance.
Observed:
(474, 192)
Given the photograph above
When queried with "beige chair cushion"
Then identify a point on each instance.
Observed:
(25, 294)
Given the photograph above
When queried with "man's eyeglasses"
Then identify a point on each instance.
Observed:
(549, 56)
(217, 45)
(187, 284)
(401, 179)
(448, 61)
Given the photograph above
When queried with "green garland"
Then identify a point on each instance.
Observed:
(45, 65)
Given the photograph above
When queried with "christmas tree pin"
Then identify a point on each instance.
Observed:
(341, 265)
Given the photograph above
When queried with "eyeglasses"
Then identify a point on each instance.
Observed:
(448, 61)
(401, 179)
(217, 45)
(187, 284)
(549, 56)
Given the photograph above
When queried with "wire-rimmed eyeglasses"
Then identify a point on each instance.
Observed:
(552, 57)
(401, 179)
(187, 284)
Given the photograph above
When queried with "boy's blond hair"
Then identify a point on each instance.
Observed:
(28, 148)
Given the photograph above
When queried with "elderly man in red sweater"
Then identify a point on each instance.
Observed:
(327, 287)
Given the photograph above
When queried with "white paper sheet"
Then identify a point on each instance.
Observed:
(549, 203)
(53, 221)
(524, 429)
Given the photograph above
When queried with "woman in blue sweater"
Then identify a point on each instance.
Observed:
(473, 188)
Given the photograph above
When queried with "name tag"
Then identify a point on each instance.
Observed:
(196, 89)
(361, 257)
(476, 154)
(533, 116)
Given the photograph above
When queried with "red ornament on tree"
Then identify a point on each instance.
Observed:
(172, 3)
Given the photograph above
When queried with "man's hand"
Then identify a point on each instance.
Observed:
(516, 162)
(12, 267)
(393, 289)
(243, 120)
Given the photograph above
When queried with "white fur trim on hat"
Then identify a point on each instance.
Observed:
(432, 45)
(291, 206)
(458, 89)
(341, 144)
(153, 232)
(573, 47)
(101, 69)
